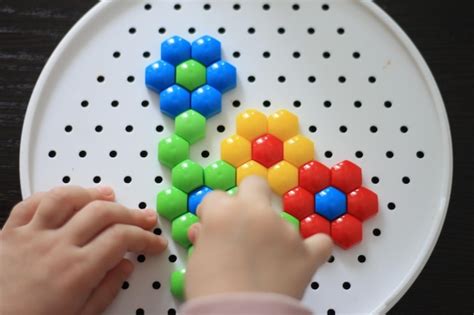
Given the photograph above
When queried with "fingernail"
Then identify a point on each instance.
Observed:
(107, 191)
(150, 213)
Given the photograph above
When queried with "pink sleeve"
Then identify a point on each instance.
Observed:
(245, 304)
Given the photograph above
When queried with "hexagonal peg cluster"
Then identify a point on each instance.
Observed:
(196, 197)
(177, 283)
(191, 126)
(206, 50)
(299, 203)
(180, 227)
(207, 101)
(291, 219)
(299, 150)
(191, 75)
(362, 203)
(283, 124)
(314, 177)
(175, 50)
(220, 176)
(187, 176)
(282, 177)
(222, 75)
(174, 101)
(251, 168)
(252, 124)
(267, 150)
(330, 203)
(159, 76)
(346, 176)
(171, 203)
(346, 231)
(314, 224)
(172, 151)
(236, 150)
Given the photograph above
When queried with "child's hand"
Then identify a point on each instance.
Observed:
(242, 245)
(61, 252)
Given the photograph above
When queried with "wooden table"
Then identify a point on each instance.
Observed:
(442, 30)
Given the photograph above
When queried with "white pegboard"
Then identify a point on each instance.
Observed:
(69, 103)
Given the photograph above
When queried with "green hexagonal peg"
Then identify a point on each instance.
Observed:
(233, 191)
(177, 283)
(291, 219)
(180, 227)
(191, 126)
(187, 176)
(191, 75)
(220, 176)
(190, 251)
(172, 151)
(171, 203)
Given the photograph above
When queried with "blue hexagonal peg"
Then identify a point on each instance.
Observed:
(331, 203)
(222, 75)
(196, 197)
(175, 50)
(206, 50)
(174, 101)
(207, 101)
(159, 76)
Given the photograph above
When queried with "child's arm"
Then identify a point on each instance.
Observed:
(61, 252)
(243, 247)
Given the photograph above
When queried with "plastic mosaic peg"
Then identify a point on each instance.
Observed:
(171, 203)
(299, 150)
(267, 150)
(233, 191)
(346, 231)
(251, 168)
(299, 203)
(191, 75)
(314, 177)
(222, 75)
(346, 176)
(196, 197)
(251, 124)
(314, 224)
(220, 176)
(331, 203)
(180, 227)
(172, 151)
(174, 101)
(159, 76)
(236, 150)
(207, 101)
(290, 219)
(175, 50)
(283, 125)
(282, 177)
(206, 50)
(177, 283)
(187, 176)
(362, 203)
(191, 126)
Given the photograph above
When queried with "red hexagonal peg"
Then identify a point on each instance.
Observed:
(346, 231)
(346, 176)
(314, 224)
(267, 150)
(362, 203)
(314, 177)
(299, 203)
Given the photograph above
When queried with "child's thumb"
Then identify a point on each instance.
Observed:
(193, 232)
(319, 247)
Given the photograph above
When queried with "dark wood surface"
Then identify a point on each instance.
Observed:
(443, 31)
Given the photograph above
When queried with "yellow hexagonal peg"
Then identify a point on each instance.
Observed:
(251, 168)
(283, 177)
(252, 124)
(236, 150)
(283, 125)
(298, 150)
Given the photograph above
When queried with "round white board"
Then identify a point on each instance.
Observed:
(68, 105)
